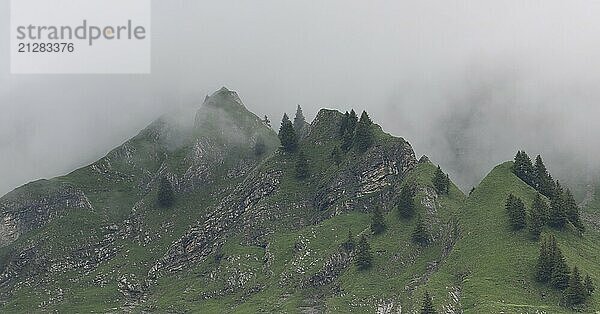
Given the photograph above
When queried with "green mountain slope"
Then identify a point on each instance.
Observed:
(495, 266)
(246, 235)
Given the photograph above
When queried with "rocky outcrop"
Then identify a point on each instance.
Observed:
(202, 239)
(381, 167)
(33, 205)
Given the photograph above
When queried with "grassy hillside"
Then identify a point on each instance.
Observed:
(399, 272)
(245, 235)
(495, 265)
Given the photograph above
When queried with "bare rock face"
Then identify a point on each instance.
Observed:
(33, 205)
(202, 239)
(382, 167)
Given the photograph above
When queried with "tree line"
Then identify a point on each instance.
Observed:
(552, 269)
(563, 208)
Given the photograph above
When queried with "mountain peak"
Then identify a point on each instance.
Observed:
(224, 98)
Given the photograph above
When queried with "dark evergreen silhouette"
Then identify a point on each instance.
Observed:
(350, 243)
(287, 135)
(543, 180)
(572, 210)
(441, 181)
(420, 235)
(260, 147)
(523, 168)
(537, 216)
(299, 122)
(336, 156)
(560, 271)
(301, 166)
(363, 254)
(589, 286)
(377, 221)
(406, 201)
(427, 307)
(363, 136)
(558, 214)
(516, 212)
(545, 262)
(165, 197)
(352, 121)
(348, 129)
(575, 293)
(344, 123)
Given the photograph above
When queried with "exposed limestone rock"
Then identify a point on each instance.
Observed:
(200, 240)
(29, 208)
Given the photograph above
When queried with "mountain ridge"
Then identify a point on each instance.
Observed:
(246, 235)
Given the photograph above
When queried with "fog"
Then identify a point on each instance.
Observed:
(466, 83)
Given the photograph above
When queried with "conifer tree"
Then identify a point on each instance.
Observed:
(558, 214)
(523, 168)
(287, 135)
(545, 262)
(363, 254)
(301, 166)
(420, 235)
(406, 201)
(336, 155)
(350, 243)
(560, 271)
(165, 196)
(572, 210)
(427, 307)
(352, 121)
(299, 122)
(575, 293)
(537, 216)
(377, 221)
(260, 147)
(363, 137)
(344, 123)
(543, 180)
(348, 129)
(441, 182)
(516, 212)
(589, 286)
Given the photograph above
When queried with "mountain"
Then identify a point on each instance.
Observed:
(247, 234)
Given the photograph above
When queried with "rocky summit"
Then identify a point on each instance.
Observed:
(226, 215)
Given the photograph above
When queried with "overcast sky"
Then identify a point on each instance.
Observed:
(465, 82)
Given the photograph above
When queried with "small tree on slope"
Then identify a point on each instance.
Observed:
(572, 210)
(516, 212)
(363, 138)
(406, 201)
(545, 262)
(575, 293)
(558, 214)
(441, 182)
(299, 122)
(165, 197)
(543, 180)
(537, 214)
(377, 221)
(560, 272)
(363, 254)
(287, 135)
(427, 307)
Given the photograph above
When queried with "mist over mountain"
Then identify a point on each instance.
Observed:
(465, 83)
(211, 210)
